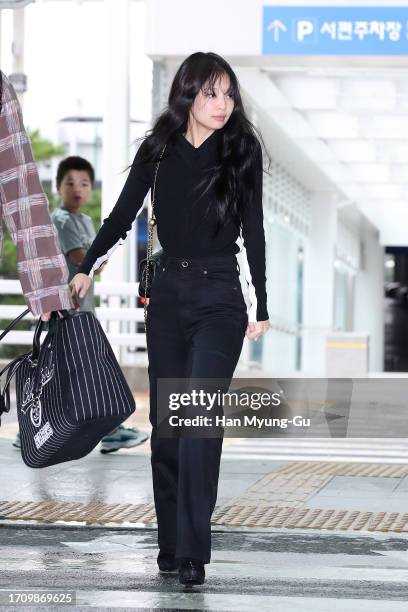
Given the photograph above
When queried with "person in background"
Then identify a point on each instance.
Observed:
(41, 266)
(76, 231)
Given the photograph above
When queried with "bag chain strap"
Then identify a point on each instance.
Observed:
(152, 223)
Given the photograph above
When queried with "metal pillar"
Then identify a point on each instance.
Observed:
(318, 296)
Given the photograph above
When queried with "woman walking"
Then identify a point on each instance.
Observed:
(209, 187)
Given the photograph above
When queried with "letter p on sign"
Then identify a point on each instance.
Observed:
(304, 29)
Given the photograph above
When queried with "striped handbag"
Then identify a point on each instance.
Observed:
(70, 390)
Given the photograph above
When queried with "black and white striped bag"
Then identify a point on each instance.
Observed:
(70, 390)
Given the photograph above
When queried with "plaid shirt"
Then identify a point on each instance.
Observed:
(41, 266)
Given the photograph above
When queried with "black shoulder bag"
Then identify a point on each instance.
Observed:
(148, 266)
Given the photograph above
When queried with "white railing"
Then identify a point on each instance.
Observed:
(127, 291)
(119, 322)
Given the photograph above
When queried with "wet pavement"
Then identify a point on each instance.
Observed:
(297, 527)
(121, 477)
(116, 569)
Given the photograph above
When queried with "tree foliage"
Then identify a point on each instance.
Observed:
(44, 150)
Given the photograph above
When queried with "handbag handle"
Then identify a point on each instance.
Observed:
(15, 363)
(38, 328)
(13, 323)
(151, 224)
(37, 335)
(12, 366)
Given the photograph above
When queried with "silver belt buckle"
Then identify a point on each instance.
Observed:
(184, 264)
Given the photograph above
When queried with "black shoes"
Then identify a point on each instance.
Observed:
(166, 563)
(191, 572)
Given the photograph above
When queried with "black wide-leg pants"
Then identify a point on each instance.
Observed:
(196, 323)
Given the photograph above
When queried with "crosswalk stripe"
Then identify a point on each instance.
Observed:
(334, 450)
(239, 603)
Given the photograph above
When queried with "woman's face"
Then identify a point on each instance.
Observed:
(213, 107)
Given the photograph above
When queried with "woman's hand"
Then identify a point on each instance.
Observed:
(47, 315)
(257, 329)
(79, 286)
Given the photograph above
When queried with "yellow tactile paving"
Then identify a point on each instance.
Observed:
(278, 499)
(92, 513)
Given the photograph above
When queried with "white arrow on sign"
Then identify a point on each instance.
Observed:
(277, 26)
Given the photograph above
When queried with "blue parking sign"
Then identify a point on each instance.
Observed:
(335, 30)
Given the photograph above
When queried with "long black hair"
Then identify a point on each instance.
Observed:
(240, 143)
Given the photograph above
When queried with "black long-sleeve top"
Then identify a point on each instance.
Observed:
(184, 225)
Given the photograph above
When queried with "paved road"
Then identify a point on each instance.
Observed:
(279, 571)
